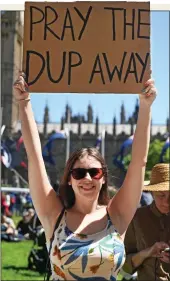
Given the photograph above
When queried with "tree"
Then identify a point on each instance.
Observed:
(155, 149)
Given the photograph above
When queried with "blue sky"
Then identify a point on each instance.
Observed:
(108, 105)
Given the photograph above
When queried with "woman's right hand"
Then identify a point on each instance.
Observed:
(21, 88)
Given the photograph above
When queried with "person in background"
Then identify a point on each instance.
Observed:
(23, 224)
(18, 204)
(147, 239)
(8, 228)
(12, 207)
(7, 224)
(31, 212)
(5, 204)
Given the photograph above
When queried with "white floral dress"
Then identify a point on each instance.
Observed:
(94, 257)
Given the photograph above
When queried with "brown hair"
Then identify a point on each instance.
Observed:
(66, 192)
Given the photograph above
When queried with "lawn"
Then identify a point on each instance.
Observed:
(14, 261)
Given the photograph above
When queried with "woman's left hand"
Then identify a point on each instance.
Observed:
(149, 93)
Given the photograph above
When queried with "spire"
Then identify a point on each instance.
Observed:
(97, 126)
(68, 113)
(46, 119)
(62, 123)
(135, 114)
(122, 114)
(89, 114)
(114, 126)
(79, 124)
(131, 126)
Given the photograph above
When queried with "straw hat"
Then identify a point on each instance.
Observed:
(159, 180)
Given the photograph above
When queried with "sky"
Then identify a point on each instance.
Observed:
(106, 106)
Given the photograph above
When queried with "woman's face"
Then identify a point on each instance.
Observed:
(162, 201)
(87, 188)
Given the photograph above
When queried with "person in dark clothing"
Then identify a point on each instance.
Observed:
(148, 235)
(23, 224)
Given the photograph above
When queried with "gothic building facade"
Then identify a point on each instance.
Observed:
(11, 63)
(86, 125)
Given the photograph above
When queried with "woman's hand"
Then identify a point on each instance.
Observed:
(149, 93)
(157, 251)
(21, 88)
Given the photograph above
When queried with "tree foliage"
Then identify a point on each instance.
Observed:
(155, 149)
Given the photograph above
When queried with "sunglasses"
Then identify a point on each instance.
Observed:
(80, 173)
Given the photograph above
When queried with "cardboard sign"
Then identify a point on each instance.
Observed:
(87, 47)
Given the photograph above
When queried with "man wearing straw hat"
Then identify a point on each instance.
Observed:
(147, 240)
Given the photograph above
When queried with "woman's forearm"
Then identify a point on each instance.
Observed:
(142, 136)
(29, 130)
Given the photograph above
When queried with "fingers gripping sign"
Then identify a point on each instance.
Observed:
(21, 88)
(149, 93)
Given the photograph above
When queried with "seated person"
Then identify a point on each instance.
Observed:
(7, 225)
(23, 224)
(9, 232)
(148, 235)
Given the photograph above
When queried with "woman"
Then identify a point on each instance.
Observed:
(149, 232)
(88, 244)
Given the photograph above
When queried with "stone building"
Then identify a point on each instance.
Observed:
(84, 132)
(11, 63)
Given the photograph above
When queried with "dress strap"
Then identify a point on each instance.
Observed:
(108, 217)
(57, 223)
(48, 270)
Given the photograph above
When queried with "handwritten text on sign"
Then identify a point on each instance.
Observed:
(87, 47)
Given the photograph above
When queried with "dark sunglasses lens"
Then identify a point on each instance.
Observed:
(78, 173)
(96, 173)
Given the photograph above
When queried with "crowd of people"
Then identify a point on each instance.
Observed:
(14, 203)
(23, 230)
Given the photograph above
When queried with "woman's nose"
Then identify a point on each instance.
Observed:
(87, 176)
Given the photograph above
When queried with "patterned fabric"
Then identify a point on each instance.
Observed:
(94, 257)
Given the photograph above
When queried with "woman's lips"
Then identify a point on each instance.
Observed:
(87, 188)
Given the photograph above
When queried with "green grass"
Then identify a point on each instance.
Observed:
(14, 261)
(16, 219)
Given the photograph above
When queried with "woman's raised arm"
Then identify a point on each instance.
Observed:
(47, 204)
(124, 204)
